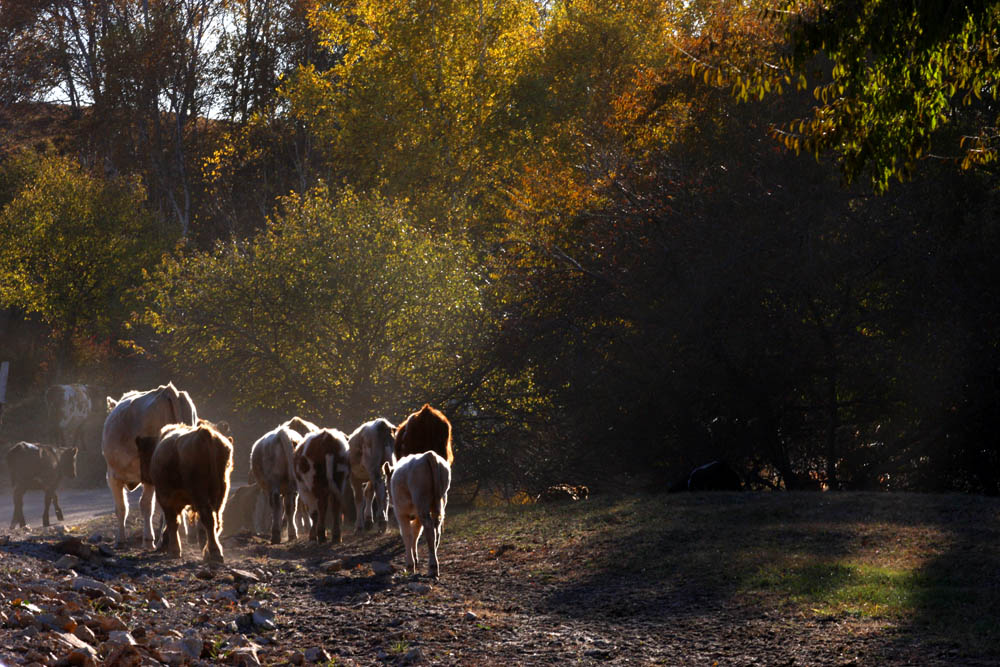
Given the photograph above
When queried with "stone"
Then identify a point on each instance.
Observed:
(73, 642)
(316, 654)
(413, 655)
(108, 623)
(75, 547)
(90, 586)
(204, 574)
(380, 568)
(68, 562)
(244, 657)
(172, 657)
(95, 538)
(471, 616)
(120, 637)
(55, 622)
(264, 618)
(245, 576)
(159, 605)
(418, 588)
(296, 658)
(84, 633)
(334, 565)
(226, 594)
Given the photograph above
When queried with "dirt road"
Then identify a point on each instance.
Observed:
(78, 505)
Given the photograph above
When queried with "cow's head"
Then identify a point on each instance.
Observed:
(66, 464)
(145, 445)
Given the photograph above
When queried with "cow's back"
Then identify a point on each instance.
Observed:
(24, 461)
(141, 414)
(191, 465)
(424, 431)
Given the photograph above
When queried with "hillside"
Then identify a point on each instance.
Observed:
(730, 579)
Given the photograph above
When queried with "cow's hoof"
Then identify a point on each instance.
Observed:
(215, 559)
(59, 515)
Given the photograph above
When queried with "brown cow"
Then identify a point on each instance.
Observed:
(38, 467)
(189, 465)
(424, 431)
(420, 485)
(139, 414)
(322, 467)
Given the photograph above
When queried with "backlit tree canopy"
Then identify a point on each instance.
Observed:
(340, 306)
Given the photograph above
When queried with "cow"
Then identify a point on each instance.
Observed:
(68, 407)
(242, 511)
(714, 476)
(39, 467)
(371, 446)
(139, 413)
(188, 465)
(271, 469)
(322, 468)
(425, 430)
(300, 426)
(419, 488)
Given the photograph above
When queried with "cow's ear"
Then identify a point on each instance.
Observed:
(386, 468)
(111, 403)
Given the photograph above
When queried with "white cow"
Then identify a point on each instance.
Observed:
(139, 413)
(419, 486)
(371, 447)
(68, 407)
(271, 468)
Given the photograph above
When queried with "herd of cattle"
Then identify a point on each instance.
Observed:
(184, 464)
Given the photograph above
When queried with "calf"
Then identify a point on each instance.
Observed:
(241, 510)
(38, 467)
(271, 468)
(322, 467)
(371, 447)
(424, 431)
(188, 465)
(420, 485)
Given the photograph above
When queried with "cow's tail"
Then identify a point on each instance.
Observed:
(335, 464)
(434, 476)
(221, 461)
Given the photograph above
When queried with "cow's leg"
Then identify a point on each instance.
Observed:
(146, 508)
(212, 551)
(369, 499)
(337, 512)
(433, 537)
(319, 518)
(357, 487)
(274, 499)
(290, 518)
(171, 542)
(55, 504)
(117, 487)
(46, 503)
(18, 508)
(406, 532)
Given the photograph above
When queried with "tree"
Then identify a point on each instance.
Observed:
(339, 307)
(896, 83)
(72, 246)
